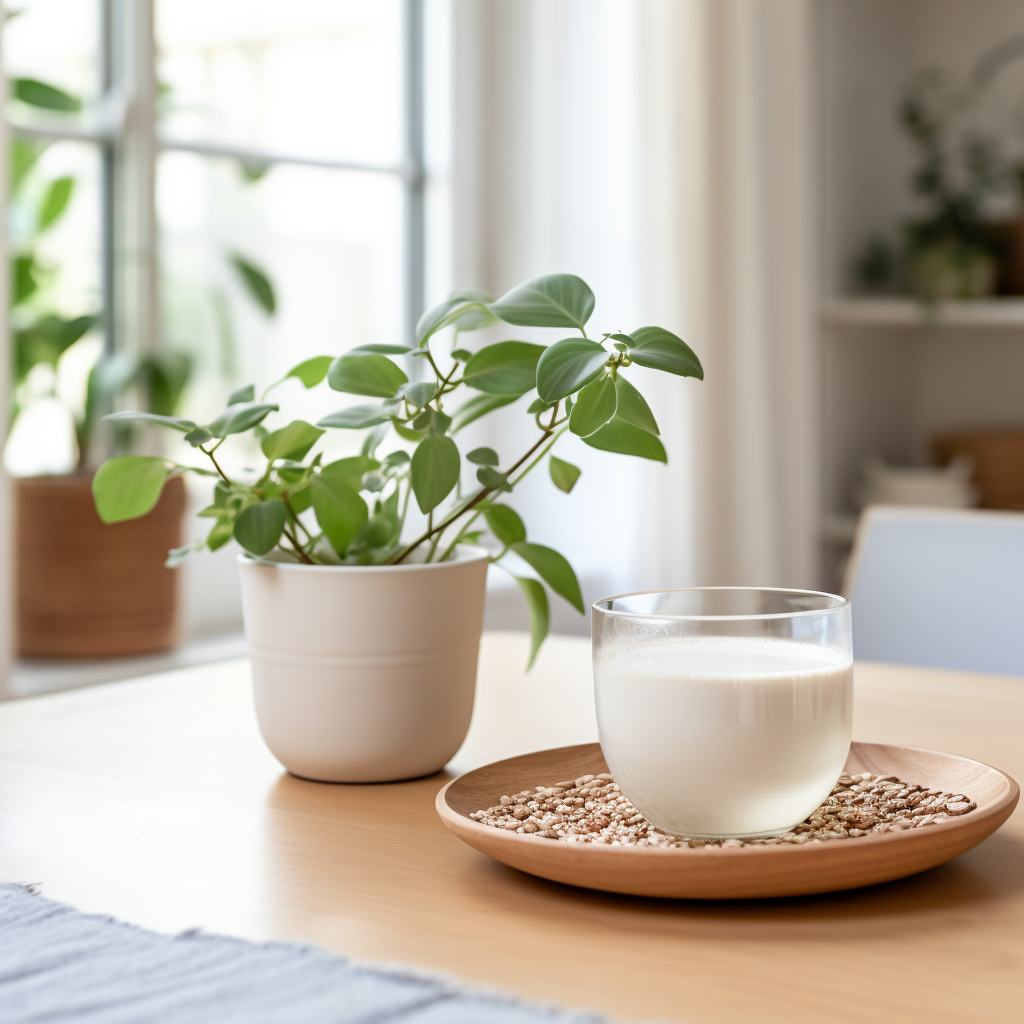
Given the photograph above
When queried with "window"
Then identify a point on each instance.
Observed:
(246, 184)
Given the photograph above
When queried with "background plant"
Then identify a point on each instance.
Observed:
(41, 334)
(353, 511)
(958, 171)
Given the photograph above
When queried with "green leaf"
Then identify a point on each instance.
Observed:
(558, 300)
(406, 433)
(258, 528)
(662, 350)
(432, 420)
(241, 417)
(537, 605)
(46, 97)
(491, 478)
(563, 474)
(505, 524)
(372, 375)
(394, 460)
(55, 200)
(595, 406)
(291, 442)
(553, 569)
(418, 394)
(151, 417)
(243, 394)
(538, 405)
(483, 457)
(627, 439)
(339, 510)
(310, 372)
(223, 530)
(461, 355)
(379, 350)
(475, 317)
(435, 470)
(453, 309)
(128, 486)
(567, 366)
(507, 368)
(355, 417)
(23, 274)
(198, 436)
(256, 283)
(350, 471)
(479, 406)
(631, 408)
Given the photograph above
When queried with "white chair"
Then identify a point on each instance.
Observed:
(942, 588)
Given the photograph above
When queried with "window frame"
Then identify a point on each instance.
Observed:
(125, 131)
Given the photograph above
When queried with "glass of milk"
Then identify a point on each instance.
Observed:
(724, 711)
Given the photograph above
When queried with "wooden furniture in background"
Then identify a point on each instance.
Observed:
(998, 457)
(85, 589)
(156, 801)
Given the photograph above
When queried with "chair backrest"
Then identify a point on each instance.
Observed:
(939, 587)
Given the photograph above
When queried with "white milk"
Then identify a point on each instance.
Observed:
(724, 736)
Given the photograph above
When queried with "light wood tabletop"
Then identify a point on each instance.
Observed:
(156, 801)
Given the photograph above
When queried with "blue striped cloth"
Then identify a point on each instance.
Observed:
(59, 965)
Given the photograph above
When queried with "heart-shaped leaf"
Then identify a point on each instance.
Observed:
(553, 569)
(176, 422)
(627, 439)
(418, 394)
(662, 350)
(537, 606)
(478, 406)
(631, 408)
(310, 372)
(567, 366)
(355, 417)
(198, 436)
(457, 305)
(381, 350)
(507, 368)
(243, 394)
(493, 480)
(236, 419)
(505, 524)
(128, 486)
(558, 300)
(291, 442)
(339, 510)
(483, 457)
(594, 407)
(372, 375)
(258, 528)
(436, 465)
(563, 474)
(350, 471)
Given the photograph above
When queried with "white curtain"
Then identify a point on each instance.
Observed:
(6, 560)
(661, 149)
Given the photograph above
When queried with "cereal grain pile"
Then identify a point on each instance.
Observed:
(591, 809)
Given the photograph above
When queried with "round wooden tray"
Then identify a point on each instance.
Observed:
(740, 872)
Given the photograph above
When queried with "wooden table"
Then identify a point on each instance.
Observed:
(156, 801)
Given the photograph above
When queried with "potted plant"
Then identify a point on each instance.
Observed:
(82, 590)
(364, 639)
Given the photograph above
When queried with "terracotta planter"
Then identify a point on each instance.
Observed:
(364, 673)
(86, 589)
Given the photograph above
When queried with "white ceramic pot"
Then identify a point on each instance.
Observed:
(364, 673)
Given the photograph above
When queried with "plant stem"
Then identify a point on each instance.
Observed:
(216, 464)
(472, 503)
(303, 557)
(557, 435)
(462, 533)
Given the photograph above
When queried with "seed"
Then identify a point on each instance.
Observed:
(592, 809)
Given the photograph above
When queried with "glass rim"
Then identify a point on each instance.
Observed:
(841, 603)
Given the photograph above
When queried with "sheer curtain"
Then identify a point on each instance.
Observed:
(661, 150)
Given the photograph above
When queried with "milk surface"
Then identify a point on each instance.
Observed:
(724, 736)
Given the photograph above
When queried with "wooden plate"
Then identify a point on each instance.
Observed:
(741, 872)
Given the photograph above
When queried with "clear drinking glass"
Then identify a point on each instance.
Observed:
(724, 711)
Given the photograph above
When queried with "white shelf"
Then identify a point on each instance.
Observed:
(869, 311)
